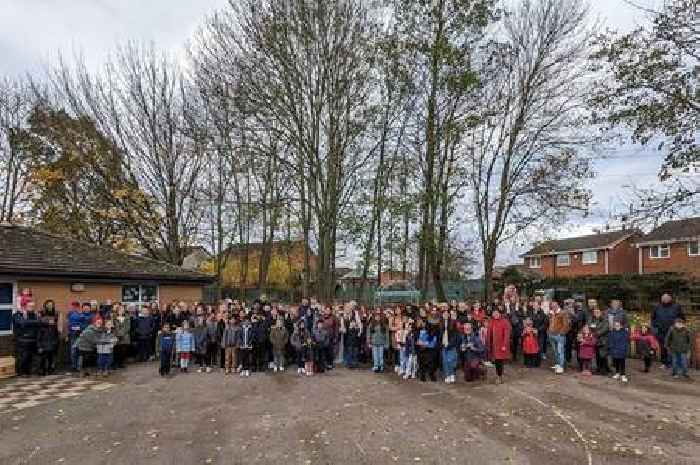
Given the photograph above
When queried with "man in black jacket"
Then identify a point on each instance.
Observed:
(662, 318)
(25, 326)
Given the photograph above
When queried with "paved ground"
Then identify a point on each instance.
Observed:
(358, 418)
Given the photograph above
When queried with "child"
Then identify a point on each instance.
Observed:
(87, 345)
(400, 344)
(586, 349)
(279, 338)
(531, 345)
(378, 340)
(184, 346)
(105, 343)
(298, 340)
(647, 346)
(427, 341)
(201, 344)
(409, 363)
(678, 343)
(473, 352)
(245, 346)
(229, 341)
(618, 347)
(166, 343)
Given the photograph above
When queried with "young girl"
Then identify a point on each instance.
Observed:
(184, 346)
(531, 346)
(408, 356)
(473, 352)
(498, 342)
(618, 348)
(105, 348)
(586, 349)
(378, 339)
(647, 346)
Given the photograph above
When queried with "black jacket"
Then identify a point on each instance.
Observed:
(47, 338)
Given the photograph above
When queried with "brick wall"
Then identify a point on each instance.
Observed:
(188, 293)
(60, 292)
(679, 261)
(621, 259)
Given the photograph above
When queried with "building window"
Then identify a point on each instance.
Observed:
(590, 257)
(694, 248)
(535, 262)
(139, 294)
(659, 251)
(563, 260)
(7, 293)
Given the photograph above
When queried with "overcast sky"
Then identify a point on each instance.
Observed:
(32, 32)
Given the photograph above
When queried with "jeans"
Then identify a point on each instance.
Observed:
(350, 355)
(449, 362)
(558, 343)
(104, 361)
(680, 363)
(165, 359)
(378, 358)
(278, 358)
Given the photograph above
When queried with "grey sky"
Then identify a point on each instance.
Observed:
(33, 31)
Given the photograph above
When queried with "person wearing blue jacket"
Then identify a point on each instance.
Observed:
(166, 345)
(618, 348)
(184, 345)
(450, 340)
(427, 342)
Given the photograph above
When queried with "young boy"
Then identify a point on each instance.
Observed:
(618, 348)
(87, 345)
(245, 346)
(166, 343)
(279, 338)
(105, 343)
(184, 346)
(678, 343)
(229, 341)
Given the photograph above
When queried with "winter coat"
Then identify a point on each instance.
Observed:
(105, 341)
(279, 338)
(586, 347)
(47, 338)
(472, 348)
(559, 323)
(166, 342)
(200, 339)
(678, 340)
(246, 336)
(144, 327)
(498, 339)
(618, 343)
(647, 345)
(600, 329)
(322, 336)
(540, 321)
(122, 329)
(378, 335)
(617, 315)
(212, 331)
(531, 344)
(184, 341)
(25, 330)
(298, 337)
(663, 317)
(230, 336)
(352, 338)
(87, 342)
(76, 322)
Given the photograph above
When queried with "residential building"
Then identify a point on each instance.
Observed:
(672, 247)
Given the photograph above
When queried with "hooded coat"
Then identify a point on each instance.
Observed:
(498, 339)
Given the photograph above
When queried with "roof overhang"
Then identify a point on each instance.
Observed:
(48, 275)
(610, 246)
(667, 241)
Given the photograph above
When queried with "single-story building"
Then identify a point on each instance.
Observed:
(66, 270)
(595, 254)
(674, 246)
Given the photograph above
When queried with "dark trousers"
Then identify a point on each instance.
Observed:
(120, 353)
(426, 364)
(601, 362)
(350, 355)
(619, 364)
(499, 367)
(542, 339)
(569, 346)
(222, 357)
(244, 358)
(300, 357)
(24, 360)
(320, 358)
(328, 356)
(647, 363)
(532, 360)
(472, 371)
(144, 349)
(47, 362)
(515, 345)
(201, 359)
(260, 358)
(165, 358)
(212, 349)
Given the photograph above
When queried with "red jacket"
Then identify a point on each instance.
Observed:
(531, 345)
(648, 338)
(498, 339)
(586, 348)
(479, 314)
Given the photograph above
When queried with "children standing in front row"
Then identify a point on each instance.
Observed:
(245, 346)
(647, 346)
(166, 345)
(105, 342)
(678, 343)
(229, 341)
(531, 345)
(586, 349)
(618, 348)
(184, 346)
(279, 338)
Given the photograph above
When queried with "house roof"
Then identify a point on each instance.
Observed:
(673, 231)
(605, 240)
(26, 251)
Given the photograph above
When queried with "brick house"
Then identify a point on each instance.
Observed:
(65, 271)
(596, 254)
(674, 246)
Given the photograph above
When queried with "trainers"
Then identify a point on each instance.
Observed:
(623, 378)
(208, 369)
(616, 376)
(247, 373)
(281, 368)
(200, 370)
(559, 370)
(275, 369)
(242, 373)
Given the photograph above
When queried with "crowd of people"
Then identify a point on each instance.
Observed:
(416, 342)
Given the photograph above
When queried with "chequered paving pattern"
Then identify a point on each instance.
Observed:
(21, 393)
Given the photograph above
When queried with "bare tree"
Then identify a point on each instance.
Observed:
(524, 165)
(16, 102)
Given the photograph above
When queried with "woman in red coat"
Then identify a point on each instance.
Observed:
(498, 342)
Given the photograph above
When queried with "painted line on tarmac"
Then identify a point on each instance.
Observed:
(559, 414)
